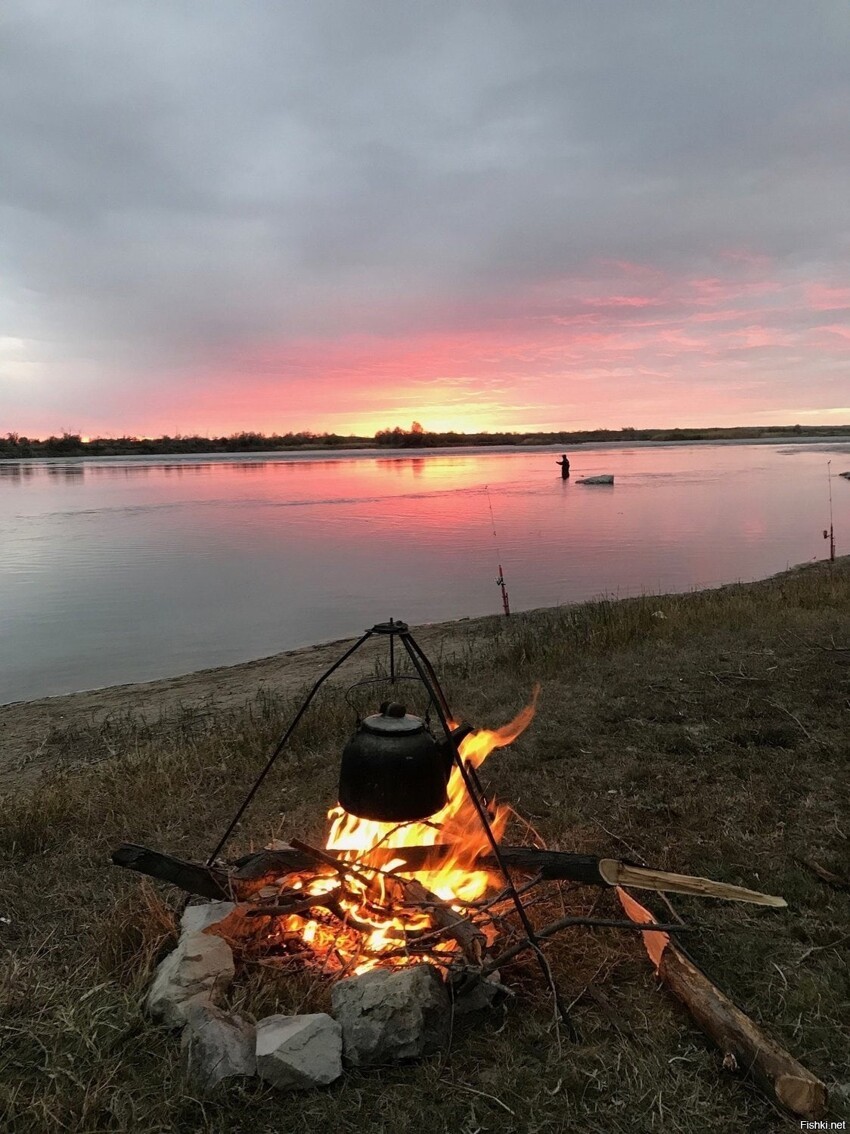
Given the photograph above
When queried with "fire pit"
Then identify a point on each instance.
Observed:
(414, 903)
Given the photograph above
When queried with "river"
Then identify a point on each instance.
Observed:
(118, 570)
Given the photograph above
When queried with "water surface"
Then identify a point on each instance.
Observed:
(128, 569)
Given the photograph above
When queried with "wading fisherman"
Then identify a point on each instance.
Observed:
(565, 466)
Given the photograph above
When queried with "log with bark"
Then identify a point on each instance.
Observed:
(249, 874)
(744, 1045)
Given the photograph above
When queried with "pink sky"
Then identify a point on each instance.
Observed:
(634, 346)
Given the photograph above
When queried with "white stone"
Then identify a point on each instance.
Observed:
(217, 1045)
(605, 479)
(196, 919)
(392, 1014)
(201, 967)
(295, 1053)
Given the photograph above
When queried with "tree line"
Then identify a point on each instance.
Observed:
(15, 445)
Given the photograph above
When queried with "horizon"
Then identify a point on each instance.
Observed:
(226, 218)
(87, 439)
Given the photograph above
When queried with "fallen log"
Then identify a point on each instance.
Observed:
(744, 1045)
(254, 871)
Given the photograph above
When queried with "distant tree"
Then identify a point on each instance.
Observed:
(416, 428)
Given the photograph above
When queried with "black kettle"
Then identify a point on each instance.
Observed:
(393, 770)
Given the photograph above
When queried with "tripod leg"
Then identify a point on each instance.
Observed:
(282, 744)
(414, 651)
(443, 702)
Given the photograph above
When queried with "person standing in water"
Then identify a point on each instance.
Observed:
(565, 466)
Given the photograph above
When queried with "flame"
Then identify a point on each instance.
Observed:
(368, 898)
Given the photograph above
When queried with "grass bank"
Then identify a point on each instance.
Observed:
(705, 733)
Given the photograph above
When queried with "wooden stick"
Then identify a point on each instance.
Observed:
(825, 875)
(570, 923)
(307, 903)
(619, 874)
(744, 1045)
(551, 864)
(470, 939)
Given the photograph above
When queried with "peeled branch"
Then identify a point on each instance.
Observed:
(620, 874)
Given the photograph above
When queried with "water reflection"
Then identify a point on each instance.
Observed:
(15, 470)
(69, 472)
(415, 465)
(125, 570)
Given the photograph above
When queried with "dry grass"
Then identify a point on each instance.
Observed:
(712, 740)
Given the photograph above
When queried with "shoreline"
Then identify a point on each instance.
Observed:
(841, 443)
(27, 727)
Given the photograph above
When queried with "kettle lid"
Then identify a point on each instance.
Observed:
(393, 720)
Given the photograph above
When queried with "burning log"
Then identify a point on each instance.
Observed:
(254, 871)
(470, 939)
(565, 865)
(744, 1045)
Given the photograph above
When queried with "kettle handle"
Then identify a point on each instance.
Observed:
(453, 740)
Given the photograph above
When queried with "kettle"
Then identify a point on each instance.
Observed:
(393, 770)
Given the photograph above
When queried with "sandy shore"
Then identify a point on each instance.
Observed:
(27, 726)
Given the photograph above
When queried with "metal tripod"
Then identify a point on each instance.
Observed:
(426, 674)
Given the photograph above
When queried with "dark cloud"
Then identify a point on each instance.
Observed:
(182, 181)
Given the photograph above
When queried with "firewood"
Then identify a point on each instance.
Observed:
(582, 868)
(254, 871)
(470, 939)
(282, 860)
(574, 923)
(299, 902)
(744, 1045)
(205, 881)
(619, 874)
(264, 864)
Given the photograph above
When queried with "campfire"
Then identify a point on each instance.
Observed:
(369, 910)
(415, 883)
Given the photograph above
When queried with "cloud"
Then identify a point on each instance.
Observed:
(187, 185)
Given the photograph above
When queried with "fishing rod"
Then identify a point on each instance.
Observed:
(831, 533)
(500, 582)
